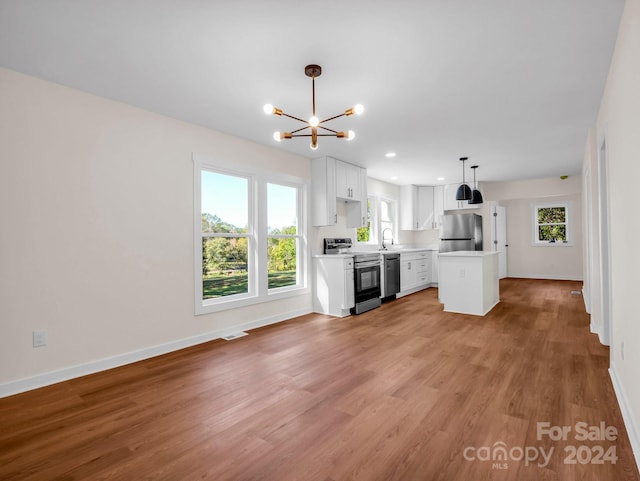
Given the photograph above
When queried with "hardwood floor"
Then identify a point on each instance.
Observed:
(404, 392)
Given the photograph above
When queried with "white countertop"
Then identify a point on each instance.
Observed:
(390, 250)
(408, 249)
(468, 254)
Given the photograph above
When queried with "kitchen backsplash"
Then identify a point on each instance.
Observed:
(426, 238)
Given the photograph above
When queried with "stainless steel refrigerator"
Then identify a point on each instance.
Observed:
(461, 232)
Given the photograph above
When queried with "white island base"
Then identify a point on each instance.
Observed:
(468, 281)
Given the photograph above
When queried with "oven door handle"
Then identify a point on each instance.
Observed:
(362, 265)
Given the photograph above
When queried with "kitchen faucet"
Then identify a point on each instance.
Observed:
(383, 231)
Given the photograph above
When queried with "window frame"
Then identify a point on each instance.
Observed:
(257, 237)
(297, 236)
(567, 223)
(375, 212)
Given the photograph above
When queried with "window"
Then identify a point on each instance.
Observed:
(551, 224)
(282, 236)
(250, 246)
(225, 235)
(381, 214)
(386, 218)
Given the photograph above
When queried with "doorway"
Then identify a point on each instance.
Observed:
(499, 237)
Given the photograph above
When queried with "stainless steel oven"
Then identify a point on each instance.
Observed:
(367, 281)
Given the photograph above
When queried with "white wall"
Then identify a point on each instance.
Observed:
(96, 244)
(524, 258)
(619, 125)
(591, 229)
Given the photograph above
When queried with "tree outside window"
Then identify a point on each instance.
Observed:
(363, 234)
(551, 224)
(282, 235)
(249, 244)
(225, 235)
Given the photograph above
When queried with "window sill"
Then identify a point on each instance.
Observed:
(219, 305)
(552, 244)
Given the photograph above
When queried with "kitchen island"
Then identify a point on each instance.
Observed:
(468, 281)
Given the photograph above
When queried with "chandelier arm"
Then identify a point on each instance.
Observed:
(326, 128)
(331, 118)
(298, 130)
(318, 135)
(294, 118)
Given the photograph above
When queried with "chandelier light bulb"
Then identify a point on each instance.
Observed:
(313, 146)
(314, 121)
(277, 137)
(358, 109)
(268, 109)
(351, 135)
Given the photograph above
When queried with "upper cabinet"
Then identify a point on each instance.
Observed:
(333, 180)
(450, 202)
(417, 207)
(348, 181)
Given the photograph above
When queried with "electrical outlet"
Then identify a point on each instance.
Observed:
(462, 273)
(622, 350)
(39, 338)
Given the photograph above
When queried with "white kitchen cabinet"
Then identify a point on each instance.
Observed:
(423, 269)
(416, 207)
(407, 272)
(348, 183)
(333, 286)
(323, 192)
(450, 202)
(328, 175)
(357, 212)
(415, 271)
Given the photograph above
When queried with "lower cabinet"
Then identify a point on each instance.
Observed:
(415, 271)
(407, 272)
(333, 285)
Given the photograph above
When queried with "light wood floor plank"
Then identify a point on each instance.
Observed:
(398, 393)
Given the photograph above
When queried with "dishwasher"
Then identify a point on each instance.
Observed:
(390, 276)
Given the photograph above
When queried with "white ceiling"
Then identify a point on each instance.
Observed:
(513, 84)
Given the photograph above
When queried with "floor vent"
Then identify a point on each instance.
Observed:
(235, 335)
(575, 293)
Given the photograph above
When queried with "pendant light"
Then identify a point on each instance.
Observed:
(464, 191)
(476, 196)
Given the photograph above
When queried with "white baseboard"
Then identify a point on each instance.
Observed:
(546, 277)
(627, 415)
(64, 374)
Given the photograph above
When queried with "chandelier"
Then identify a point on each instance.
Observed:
(314, 123)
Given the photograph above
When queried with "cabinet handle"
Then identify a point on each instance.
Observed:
(335, 218)
(409, 266)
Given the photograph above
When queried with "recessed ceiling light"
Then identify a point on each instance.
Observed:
(390, 154)
(394, 178)
(440, 178)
